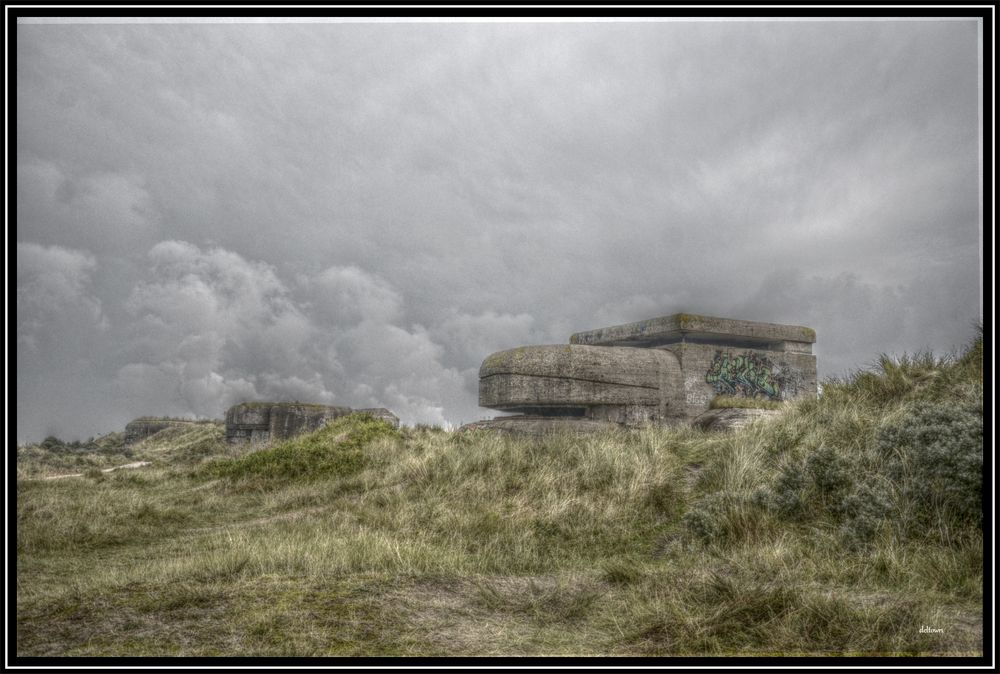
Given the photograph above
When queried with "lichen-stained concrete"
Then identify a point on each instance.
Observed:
(261, 422)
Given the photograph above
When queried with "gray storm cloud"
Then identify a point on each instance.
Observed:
(215, 329)
(53, 289)
(357, 214)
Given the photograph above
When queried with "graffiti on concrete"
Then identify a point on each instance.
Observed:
(790, 381)
(750, 375)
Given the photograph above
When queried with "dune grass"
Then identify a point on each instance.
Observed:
(824, 531)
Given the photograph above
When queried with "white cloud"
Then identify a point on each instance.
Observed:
(384, 363)
(349, 295)
(221, 328)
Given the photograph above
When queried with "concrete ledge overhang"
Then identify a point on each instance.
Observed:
(569, 376)
(678, 327)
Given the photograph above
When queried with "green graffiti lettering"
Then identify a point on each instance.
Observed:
(748, 375)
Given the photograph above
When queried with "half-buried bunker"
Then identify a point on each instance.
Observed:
(261, 422)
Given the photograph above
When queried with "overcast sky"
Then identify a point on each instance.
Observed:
(357, 214)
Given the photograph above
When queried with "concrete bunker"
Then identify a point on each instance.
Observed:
(663, 370)
(261, 422)
(139, 429)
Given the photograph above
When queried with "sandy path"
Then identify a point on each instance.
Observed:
(134, 464)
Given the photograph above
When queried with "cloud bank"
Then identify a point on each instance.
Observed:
(357, 214)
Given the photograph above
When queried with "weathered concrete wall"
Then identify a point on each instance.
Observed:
(697, 328)
(710, 370)
(733, 418)
(612, 383)
(539, 425)
(290, 420)
(263, 422)
(139, 429)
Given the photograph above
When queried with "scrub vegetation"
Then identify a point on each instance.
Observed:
(843, 525)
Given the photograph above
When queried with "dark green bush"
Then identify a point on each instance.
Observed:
(786, 495)
(863, 513)
(830, 474)
(814, 487)
(935, 455)
(923, 477)
(703, 518)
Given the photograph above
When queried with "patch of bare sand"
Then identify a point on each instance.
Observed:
(134, 464)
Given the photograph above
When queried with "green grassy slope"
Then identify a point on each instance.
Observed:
(844, 525)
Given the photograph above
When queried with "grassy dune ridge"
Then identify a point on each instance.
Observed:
(843, 525)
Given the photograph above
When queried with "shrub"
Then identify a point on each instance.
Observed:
(703, 518)
(786, 495)
(830, 475)
(817, 485)
(864, 513)
(935, 454)
(923, 475)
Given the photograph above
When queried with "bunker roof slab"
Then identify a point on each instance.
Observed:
(683, 327)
